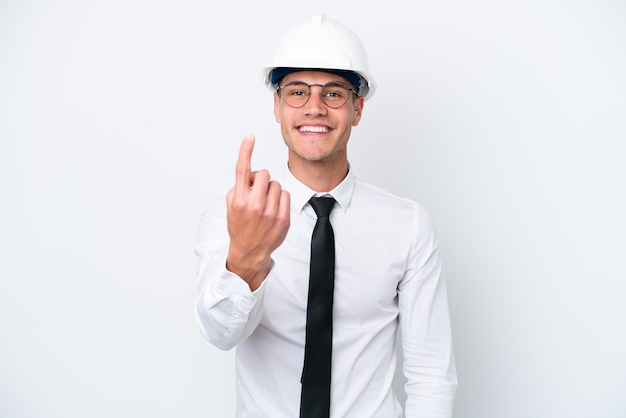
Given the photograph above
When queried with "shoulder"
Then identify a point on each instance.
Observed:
(212, 222)
(215, 207)
(389, 205)
(380, 197)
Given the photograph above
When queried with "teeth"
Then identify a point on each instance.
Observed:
(313, 129)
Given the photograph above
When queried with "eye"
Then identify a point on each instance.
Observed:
(296, 89)
(335, 92)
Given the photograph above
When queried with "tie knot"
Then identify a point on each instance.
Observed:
(322, 206)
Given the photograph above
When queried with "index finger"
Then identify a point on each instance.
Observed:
(242, 169)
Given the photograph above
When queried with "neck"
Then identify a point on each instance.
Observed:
(319, 176)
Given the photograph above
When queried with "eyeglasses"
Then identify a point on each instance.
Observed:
(334, 94)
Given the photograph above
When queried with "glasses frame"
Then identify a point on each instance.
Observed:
(340, 84)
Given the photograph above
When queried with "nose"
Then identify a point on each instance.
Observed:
(315, 104)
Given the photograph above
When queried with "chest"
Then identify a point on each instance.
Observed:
(370, 262)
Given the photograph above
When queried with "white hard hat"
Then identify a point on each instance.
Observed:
(324, 44)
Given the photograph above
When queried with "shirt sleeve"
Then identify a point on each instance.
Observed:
(227, 311)
(425, 328)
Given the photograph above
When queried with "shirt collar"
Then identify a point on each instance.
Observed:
(300, 194)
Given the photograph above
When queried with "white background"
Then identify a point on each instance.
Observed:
(119, 120)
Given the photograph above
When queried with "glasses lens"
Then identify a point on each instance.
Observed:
(297, 93)
(335, 94)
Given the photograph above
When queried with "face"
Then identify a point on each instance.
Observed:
(315, 132)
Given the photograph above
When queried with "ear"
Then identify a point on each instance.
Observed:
(277, 107)
(358, 110)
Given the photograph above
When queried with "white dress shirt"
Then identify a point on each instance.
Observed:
(388, 278)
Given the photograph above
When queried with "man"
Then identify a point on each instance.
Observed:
(256, 259)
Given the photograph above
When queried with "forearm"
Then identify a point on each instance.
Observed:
(428, 398)
(428, 353)
(429, 366)
(227, 311)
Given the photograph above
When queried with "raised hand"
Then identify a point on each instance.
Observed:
(257, 218)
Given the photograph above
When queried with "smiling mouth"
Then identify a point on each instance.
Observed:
(314, 129)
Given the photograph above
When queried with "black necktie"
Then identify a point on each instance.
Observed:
(315, 399)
